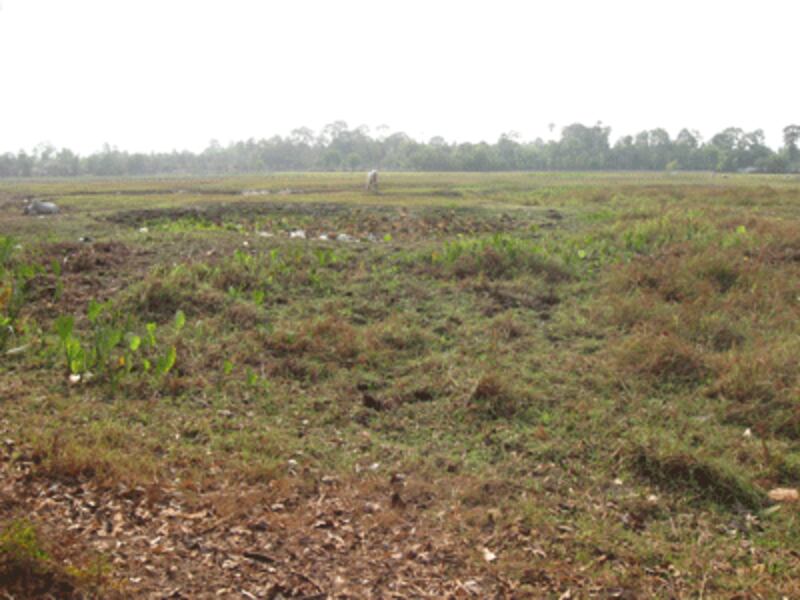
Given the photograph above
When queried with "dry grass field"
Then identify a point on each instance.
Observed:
(467, 385)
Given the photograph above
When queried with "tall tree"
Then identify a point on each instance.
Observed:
(791, 136)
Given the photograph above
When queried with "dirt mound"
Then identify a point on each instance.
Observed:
(78, 272)
(216, 212)
(79, 257)
(331, 219)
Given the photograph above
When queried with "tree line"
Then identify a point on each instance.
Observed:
(339, 148)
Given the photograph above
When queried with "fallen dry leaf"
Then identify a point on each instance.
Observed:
(784, 495)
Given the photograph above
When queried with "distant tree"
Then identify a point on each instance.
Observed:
(508, 150)
(332, 131)
(791, 137)
(660, 147)
(685, 149)
(583, 147)
(25, 164)
(625, 154)
(353, 161)
(339, 147)
(775, 163)
(302, 136)
(332, 160)
(688, 139)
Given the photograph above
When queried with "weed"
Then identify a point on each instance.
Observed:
(103, 353)
(15, 277)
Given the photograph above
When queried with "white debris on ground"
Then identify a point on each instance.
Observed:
(143, 230)
(301, 234)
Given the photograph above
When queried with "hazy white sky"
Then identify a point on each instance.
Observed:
(163, 74)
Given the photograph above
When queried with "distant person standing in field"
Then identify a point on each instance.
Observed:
(372, 181)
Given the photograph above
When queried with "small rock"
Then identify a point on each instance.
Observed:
(40, 208)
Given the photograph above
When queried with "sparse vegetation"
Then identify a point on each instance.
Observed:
(520, 384)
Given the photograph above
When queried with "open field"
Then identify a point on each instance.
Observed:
(491, 385)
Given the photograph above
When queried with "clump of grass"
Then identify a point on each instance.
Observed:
(672, 466)
(761, 388)
(496, 257)
(494, 397)
(160, 296)
(506, 328)
(660, 358)
(757, 377)
(244, 315)
(330, 339)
